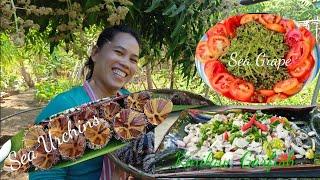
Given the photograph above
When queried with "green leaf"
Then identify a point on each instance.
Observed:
(17, 141)
(90, 154)
(178, 11)
(154, 5)
(178, 26)
(171, 8)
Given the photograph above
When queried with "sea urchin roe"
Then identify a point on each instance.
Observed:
(256, 55)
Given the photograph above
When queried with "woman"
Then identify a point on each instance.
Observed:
(112, 64)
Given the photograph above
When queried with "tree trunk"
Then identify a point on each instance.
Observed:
(26, 76)
(171, 73)
(149, 78)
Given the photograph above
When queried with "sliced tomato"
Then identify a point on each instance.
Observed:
(218, 45)
(308, 37)
(211, 68)
(294, 90)
(202, 52)
(292, 37)
(266, 92)
(248, 18)
(276, 97)
(305, 77)
(285, 85)
(269, 19)
(297, 54)
(258, 97)
(217, 30)
(276, 27)
(231, 25)
(303, 68)
(287, 24)
(241, 90)
(222, 82)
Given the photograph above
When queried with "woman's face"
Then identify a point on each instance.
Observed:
(117, 61)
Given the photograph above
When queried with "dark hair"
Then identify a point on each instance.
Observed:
(106, 35)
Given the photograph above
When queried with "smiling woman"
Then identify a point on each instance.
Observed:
(112, 64)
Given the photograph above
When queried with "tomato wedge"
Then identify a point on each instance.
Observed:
(293, 37)
(308, 37)
(257, 97)
(248, 18)
(297, 54)
(222, 82)
(211, 68)
(276, 27)
(217, 30)
(287, 24)
(304, 67)
(276, 97)
(266, 92)
(269, 19)
(294, 90)
(202, 52)
(218, 45)
(241, 90)
(231, 25)
(305, 77)
(285, 85)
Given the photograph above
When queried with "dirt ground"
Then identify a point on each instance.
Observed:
(16, 103)
(13, 104)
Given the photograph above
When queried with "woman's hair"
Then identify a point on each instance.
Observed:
(106, 35)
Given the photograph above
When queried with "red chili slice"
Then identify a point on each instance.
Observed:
(249, 124)
(260, 125)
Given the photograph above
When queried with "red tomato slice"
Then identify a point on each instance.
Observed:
(222, 82)
(202, 52)
(258, 97)
(276, 97)
(269, 19)
(211, 68)
(218, 45)
(294, 90)
(266, 92)
(302, 69)
(217, 30)
(276, 27)
(287, 24)
(241, 90)
(305, 77)
(308, 37)
(297, 54)
(285, 85)
(231, 25)
(248, 18)
(293, 37)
